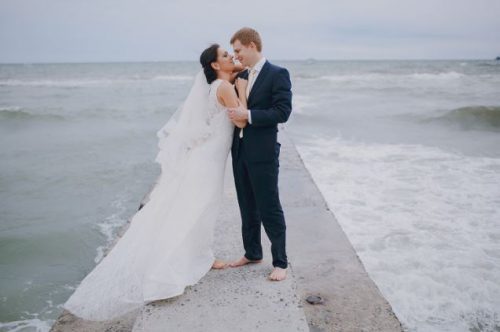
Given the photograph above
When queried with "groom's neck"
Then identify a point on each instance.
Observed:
(257, 59)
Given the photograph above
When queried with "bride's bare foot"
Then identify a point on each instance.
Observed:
(243, 261)
(277, 274)
(218, 264)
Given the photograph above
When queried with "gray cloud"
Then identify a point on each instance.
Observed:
(112, 30)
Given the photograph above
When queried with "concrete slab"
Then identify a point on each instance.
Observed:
(322, 262)
(233, 299)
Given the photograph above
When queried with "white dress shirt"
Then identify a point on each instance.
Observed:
(257, 67)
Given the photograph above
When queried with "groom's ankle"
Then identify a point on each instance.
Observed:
(250, 258)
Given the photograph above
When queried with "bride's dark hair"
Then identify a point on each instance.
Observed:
(206, 58)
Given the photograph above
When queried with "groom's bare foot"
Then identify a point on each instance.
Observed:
(277, 274)
(243, 261)
(218, 264)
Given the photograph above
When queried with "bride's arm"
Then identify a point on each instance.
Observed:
(238, 68)
(241, 86)
(230, 99)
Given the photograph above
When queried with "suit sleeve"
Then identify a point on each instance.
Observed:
(281, 102)
(243, 74)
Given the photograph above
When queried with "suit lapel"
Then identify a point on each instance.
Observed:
(244, 74)
(263, 72)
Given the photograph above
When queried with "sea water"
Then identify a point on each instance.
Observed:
(406, 153)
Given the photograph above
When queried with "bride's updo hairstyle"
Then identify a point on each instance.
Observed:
(206, 58)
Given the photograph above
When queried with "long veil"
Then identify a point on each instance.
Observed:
(188, 127)
(149, 262)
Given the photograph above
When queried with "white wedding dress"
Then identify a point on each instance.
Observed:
(168, 244)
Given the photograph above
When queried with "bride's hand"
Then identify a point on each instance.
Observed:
(240, 123)
(241, 85)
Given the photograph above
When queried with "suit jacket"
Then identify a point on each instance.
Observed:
(270, 103)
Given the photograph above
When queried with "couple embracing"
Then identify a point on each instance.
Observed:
(169, 243)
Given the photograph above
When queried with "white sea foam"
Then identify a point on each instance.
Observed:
(438, 76)
(301, 103)
(27, 325)
(110, 226)
(425, 223)
(10, 108)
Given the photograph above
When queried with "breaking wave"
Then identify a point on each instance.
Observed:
(18, 114)
(471, 117)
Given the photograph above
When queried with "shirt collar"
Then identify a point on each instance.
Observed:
(258, 66)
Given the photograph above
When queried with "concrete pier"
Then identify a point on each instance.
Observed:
(322, 263)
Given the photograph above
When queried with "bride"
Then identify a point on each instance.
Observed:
(168, 244)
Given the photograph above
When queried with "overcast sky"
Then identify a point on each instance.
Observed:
(157, 30)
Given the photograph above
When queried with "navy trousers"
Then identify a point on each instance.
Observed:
(258, 198)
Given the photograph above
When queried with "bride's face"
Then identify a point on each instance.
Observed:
(225, 61)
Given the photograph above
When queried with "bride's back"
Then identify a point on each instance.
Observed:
(214, 101)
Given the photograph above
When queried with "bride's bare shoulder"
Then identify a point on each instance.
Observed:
(226, 93)
(225, 88)
(225, 84)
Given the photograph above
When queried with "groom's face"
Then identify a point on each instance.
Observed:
(244, 54)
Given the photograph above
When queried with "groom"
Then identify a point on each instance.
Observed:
(255, 151)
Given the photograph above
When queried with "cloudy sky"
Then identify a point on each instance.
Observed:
(157, 30)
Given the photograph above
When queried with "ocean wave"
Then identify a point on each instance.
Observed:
(66, 83)
(173, 77)
(17, 113)
(452, 75)
(75, 83)
(423, 221)
(471, 117)
(354, 77)
(305, 76)
(33, 324)
(489, 64)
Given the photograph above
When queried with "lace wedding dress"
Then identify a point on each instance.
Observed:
(168, 244)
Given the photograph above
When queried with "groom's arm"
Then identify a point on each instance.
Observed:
(281, 101)
(228, 95)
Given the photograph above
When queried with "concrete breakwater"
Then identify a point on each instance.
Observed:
(324, 269)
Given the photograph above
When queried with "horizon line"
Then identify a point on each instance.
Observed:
(295, 60)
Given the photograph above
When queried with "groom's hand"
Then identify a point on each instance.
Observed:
(238, 113)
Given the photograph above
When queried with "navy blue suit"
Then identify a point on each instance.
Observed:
(256, 164)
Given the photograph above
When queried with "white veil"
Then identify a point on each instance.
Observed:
(188, 127)
(150, 261)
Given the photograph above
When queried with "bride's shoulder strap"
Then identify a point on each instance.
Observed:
(215, 84)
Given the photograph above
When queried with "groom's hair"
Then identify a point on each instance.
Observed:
(246, 36)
